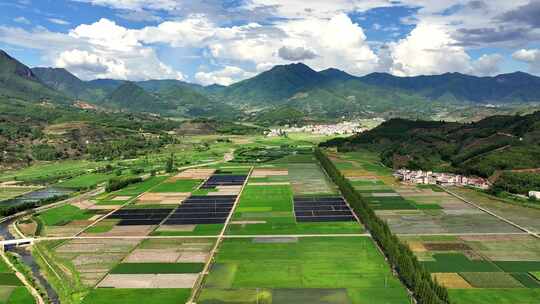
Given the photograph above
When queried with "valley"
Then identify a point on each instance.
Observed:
(292, 185)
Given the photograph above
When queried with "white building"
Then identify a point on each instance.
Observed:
(445, 179)
(535, 194)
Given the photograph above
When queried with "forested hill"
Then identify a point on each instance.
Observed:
(481, 148)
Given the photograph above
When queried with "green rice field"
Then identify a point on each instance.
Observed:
(135, 296)
(142, 268)
(339, 270)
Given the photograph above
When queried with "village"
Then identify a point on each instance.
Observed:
(443, 179)
(342, 128)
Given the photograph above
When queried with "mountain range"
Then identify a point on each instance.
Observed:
(325, 94)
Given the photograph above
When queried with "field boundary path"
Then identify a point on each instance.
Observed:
(532, 233)
(198, 284)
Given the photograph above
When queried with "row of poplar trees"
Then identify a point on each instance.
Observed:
(402, 259)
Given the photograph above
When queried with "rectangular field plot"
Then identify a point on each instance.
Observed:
(224, 180)
(171, 251)
(84, 262)
(495, 295)
(309, 178)
(202, 210)
(301, 270)
(135, 296)
(523, 216)
(322, 209)
(177, 185)
(268, 209)
(144, 216)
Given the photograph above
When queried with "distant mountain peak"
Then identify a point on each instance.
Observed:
(336, 74)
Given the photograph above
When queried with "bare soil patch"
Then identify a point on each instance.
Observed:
(194, 174)
(187, 228)
(149, 280)
(121, 198)
(86, 204)
(153, 256)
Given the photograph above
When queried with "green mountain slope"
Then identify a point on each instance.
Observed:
(192, 103)
(481, 148)
(67, 83)
(273, 86)
(17, 80)
(504, 88)
(131, 97)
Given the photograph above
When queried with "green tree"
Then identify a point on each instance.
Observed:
(169, 164)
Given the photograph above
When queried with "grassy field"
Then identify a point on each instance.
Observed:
(126, 268)
(86, 181)
(63, 214)
(17, 295)
(331, 268)
(135, 296)
(50, 170)
(138, 188)
(496, 295)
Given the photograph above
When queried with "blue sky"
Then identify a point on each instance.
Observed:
(211, 41)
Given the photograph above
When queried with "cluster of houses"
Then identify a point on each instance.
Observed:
(444, 179)
(342, 128)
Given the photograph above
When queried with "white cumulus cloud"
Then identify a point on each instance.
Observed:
(428, 49)
(226, 76)
(529, 56)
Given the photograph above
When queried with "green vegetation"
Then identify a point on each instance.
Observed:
(20, 295)
(491, 280)
(301, 269)
(495, 295)
(9, 279)
(410, 271)
(482, 148)
(119, 183)
(280, 154)
(62, 215)
(457, 262)
(142, 268)
(516, 182)
(140, 187)
(135, 296)
(86, 181)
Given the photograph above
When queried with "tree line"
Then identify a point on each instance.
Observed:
(402, 259)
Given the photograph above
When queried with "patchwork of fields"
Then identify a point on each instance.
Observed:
(12, 290)
(480, 258)
(276, 232)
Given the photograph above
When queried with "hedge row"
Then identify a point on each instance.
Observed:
(402, 259)
(118, 183)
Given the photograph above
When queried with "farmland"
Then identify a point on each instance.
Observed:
(479, 257)
(12, 290)
(276, 230)
(154, 238)
(304, 269)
